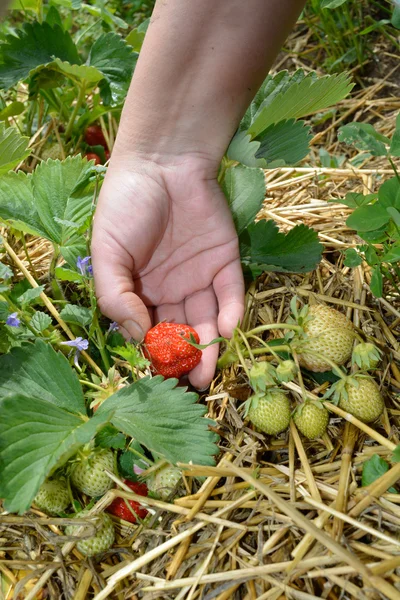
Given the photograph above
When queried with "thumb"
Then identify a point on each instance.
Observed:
(115, 290)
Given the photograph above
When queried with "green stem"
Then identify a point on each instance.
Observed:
(91, 385)
(335, 368)
(79, 102)
(273, 326)
(55, 286)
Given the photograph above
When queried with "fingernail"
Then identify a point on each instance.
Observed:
(134, 330)
(201, 390)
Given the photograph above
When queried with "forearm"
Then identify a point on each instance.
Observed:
(201, 64)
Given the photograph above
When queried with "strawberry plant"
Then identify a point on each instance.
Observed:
(376, 216)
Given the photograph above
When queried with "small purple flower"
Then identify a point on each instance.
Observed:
(83, 267)
(137, 470)
(78, 343)
(113, 327)
(13, 321)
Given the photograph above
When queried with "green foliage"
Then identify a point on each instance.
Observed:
(44, 420)
(54, 202)
(78, 315)
(374, 468)
(245, 190)
(376, 217)
(13, 148)
(150, 409)
(264, 248)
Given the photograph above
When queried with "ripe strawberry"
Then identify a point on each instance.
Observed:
(171, 355)
(93, 156)
(164, 481)
(311, 418)
(95, 544)
(52, 497)
(87, 472)
(360, 396)
(270, 412)
(329, 334)
(119, 506)
(94, 136)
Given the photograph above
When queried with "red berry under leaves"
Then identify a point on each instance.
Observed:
(119, 508)
(95, 157)
(94, 136)
(170, 354)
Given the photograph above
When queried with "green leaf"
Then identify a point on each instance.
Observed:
(64, 274)
(389, 193)
(364, 137)
(110, 437)
(376, 284)
(374, 468)
(286, 142)
(355, 199)
(79, 72)
(245, 191)
(396, 454)
(291, 97)
(298, 251)
(40, 321)
(13, 148)
(5, 271)
(135, 39)
(30, 295)
(115, 60)
(12, 109)
(332, 3)
(79, 315)
(36, 44)
(17, 203)
(395, 20)
(352, 258)
(375, 237)
(368, 218)
(35, 438)
(131, 354)
(38, 371)
(25, 5)
(165, 419)
(395, 215)
(243, 150)
(392, 255)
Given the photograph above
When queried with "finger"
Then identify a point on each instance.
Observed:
(171, 313)
(112, 270)
(229, 290)
(201, 314)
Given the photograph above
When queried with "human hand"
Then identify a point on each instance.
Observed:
(165, 248)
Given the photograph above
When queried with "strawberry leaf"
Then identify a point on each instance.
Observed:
(244, 188)
(13, 148)
(165, 419)
(115, 60)
(264, 248)
(38, 371)
(35, 45)
(35, 438)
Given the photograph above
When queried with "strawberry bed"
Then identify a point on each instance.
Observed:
(281, 479)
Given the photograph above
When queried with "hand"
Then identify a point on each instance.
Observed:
(165, 248)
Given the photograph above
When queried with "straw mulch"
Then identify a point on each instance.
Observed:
(275, 518)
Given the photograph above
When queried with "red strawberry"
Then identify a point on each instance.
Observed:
(93, 156)
(119, 508)
(171, 356)
(94, 136)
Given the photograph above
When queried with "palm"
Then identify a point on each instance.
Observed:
(172, 237)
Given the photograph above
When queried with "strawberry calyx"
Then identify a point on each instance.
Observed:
(366, 356)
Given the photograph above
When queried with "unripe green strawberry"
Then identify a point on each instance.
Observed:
(87, 472)
(101, 541)
(361, 397)
(366, 356)
(52, 497)
(329, 333)
(286, 370)
(52, 151)
(271, 412)
(164, 481)
(311, 419)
